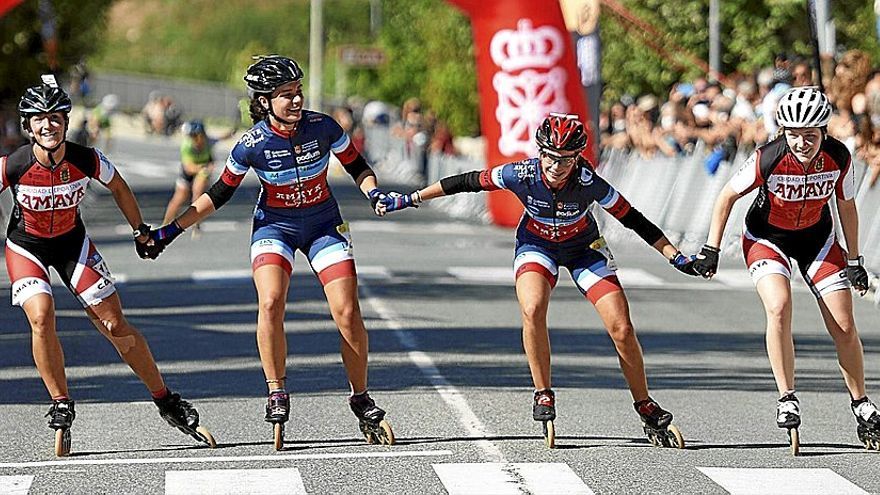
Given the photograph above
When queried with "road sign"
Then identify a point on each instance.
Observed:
(361, 56)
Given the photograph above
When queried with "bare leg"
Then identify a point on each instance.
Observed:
(272, 283)
(837, 311)
(342, 295)
(48, 355)
(181, 194)
(129, 343)
(533, 292)
(775, 293)
(613, 308)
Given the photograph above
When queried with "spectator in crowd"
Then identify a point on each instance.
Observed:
(781, 84)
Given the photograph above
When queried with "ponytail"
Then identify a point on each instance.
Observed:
(258, 113)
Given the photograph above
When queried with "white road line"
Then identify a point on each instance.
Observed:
(472, 424)
(242, 458)
(636, 277)
(780, 481)
(234, 482)
(510, 479)
(15, 485)
(490, 274)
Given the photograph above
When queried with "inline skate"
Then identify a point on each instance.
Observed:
(277, 413)
(544, 410)
(788, 416)
(371, 420)
(868, 418)
(183, 416)
(61, 415)
(657, 424)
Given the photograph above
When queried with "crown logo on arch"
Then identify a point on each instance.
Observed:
(527, 47)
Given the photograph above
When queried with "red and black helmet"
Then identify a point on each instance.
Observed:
(561, 134)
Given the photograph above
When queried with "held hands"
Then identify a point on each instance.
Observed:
(706, 263)
(159, 239)
(384, 203)
(395, 201)
(857, 275)
(684, 264)
(376, 196)
(140, 246)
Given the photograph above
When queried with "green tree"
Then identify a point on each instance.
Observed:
(751, 33)
(80, 26)
(429, 49)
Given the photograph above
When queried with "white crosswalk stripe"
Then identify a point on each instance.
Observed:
(234, 482)
(510, 479)
(15, 485)
(781, 481)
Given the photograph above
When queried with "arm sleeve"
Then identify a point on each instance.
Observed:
(229, 180)
(748, 176)
(476, 181)
(846, 183)
(105, 170)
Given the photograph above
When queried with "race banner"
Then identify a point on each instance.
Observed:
(525, 69)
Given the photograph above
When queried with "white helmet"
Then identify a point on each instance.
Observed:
(803, 107)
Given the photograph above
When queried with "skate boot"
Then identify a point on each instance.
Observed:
(61, 415)
(657, 424)
(183, 416)
(277, 413)
(544, 410)
(371, 419)
(788, 416)
(868, 417)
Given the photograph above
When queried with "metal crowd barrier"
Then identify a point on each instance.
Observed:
(676, 193)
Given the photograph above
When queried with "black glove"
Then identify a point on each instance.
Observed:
(857, 275)
(706, 263)
(684, 264)
(161, 238)
(141, 247)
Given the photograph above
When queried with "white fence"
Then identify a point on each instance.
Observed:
(676, 193)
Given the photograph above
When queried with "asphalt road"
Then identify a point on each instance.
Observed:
(446, 363)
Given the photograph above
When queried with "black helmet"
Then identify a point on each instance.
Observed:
(270, 72)
(45, 98)
(561, 134)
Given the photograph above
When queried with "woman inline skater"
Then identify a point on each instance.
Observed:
(48, 179)
(558, 230)
(196, 168)
(288, 148)
(796, 175)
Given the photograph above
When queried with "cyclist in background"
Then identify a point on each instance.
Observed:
(196, 167)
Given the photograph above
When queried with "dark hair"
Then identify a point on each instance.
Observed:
(256, 109)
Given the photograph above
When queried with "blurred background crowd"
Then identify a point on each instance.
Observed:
(740, 114)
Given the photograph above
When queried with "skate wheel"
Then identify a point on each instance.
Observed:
(550, 434)
(795, 441)
(675, 438)
(386, 435)
(62, 442)
(206, 437)
(279, 436)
